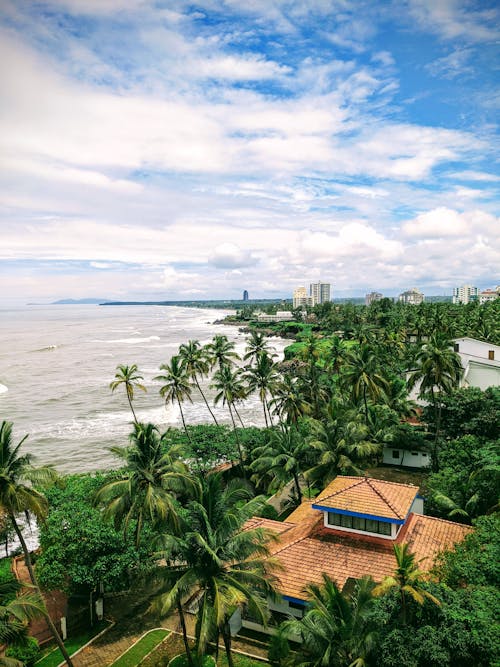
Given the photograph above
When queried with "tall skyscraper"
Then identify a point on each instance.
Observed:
(300, 298)
(413, 297)
(465, 294)
(320, 292)
(245, 295)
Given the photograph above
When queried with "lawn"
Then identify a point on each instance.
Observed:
(72, 644)
(141, 648)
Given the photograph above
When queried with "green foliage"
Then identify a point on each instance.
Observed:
(79, 548)
(476, 560)
(27, 653)
(6, 570)
(141, 648)
(468, 411)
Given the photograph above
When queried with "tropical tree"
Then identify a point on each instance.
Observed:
(129, 377)
(18, 496)
(407, 580)
(288, 401)
(230, 389)
(195, 362)
(217, 562)
(176, 387)
(281, 459)
(221, 352)
(263, 378)
(438, 371)
(15, 614)
(257, 345)
(337, 630)
(362, 377)
(343, 444)
(147, 487)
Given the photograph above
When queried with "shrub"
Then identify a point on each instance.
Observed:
(27, 653)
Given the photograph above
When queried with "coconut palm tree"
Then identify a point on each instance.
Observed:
(220, 352)
(129, 377)
(18, 496)
(263, 377)
(176, 387)
(230, 389)
(407, 581)
(147, 487)
(438, 370)
(218, 563)
(288, 401)
(283, 458)
(15, 614)
(362, 377)
(195, 362)
(336, 629)
(257, 344)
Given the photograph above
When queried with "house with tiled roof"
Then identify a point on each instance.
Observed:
(348, 532)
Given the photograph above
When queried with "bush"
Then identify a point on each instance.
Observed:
(27, 653)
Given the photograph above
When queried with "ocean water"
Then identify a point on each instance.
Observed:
(56, 363)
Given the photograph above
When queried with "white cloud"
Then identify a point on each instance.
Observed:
(454, 18)
(231, 256)
(445, 222)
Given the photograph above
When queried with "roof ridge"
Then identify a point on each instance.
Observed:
(361, 480)
(381, 495)
(438, 518)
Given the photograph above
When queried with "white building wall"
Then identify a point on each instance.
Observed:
(406, 457)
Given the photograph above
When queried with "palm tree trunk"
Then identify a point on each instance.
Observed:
(238, 415)
(366, 404)
(238, 444)
(132, 408)
(34, 581)
(226, 636)
(269, 413)
(265, 413)
(297, 486)
(184, 634)
(205, 399)
(184, 421)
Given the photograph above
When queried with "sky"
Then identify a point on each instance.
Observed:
(163, 149)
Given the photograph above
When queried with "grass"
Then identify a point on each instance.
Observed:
(72, 644)
(5, 570)
(140, 649)
(181, 661)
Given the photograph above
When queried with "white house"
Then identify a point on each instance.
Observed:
(480, 361)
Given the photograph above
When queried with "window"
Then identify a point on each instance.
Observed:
(359, 523)
(414, 453)
(295, 605)
(424, 455)
(456, 347)
(491, 355)
(395, 453)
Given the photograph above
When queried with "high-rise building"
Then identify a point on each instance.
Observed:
(488, 295)
(465, 294)
(245, 295)
(300, 298)
(319, 292)
(412, 297)
(373, 296)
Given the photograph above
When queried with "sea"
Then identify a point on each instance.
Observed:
(57, 362)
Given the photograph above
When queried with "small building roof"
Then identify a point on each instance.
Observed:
(373, 497)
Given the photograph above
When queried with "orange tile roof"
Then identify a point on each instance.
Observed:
(269, 524)
(369, 496)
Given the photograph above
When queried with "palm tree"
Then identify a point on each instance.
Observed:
(288, 401)
(195, 362)
(343, 442)
(263, 377)
(336, 628)
(439, 370)
(230, 389)
(176, 386)
(407, 580)
(257, 345)
(18, 496)
(283, 458)
(221, 352)
(15, 615)
(147, 487)
(129, 377)
(218, 563)
(362, 376)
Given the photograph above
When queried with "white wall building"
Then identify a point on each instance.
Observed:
(281, 316)
(319, 292)
(488, 295)
(480, 361)
(412, 297)
(300, 298)
(465, 294)
(372, 296)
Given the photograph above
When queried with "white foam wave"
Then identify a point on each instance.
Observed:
(3, 389)
(49, 348)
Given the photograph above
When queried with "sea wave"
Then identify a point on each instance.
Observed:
(130, 341)
(49, 348)
(3, 389)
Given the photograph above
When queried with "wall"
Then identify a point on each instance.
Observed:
(415, 459)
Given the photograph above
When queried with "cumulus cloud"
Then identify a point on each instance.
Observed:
(231, 256)
(437, 223)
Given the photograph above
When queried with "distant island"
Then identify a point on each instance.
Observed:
(75, 302)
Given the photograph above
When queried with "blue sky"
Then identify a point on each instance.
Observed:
(182, 150)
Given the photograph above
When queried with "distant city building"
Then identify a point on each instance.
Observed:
(300, 298)
(319, 292)
(281, 316)
(411, 297)
(245, 295)
(373, 296)
(488, 295)
(465, 294)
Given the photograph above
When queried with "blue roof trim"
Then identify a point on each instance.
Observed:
(296, 600)
(398, 522)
